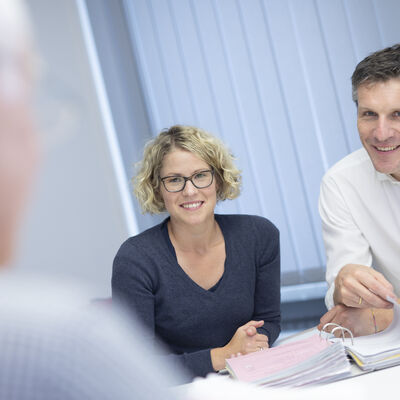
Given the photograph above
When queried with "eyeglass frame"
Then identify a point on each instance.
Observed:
(188, 178)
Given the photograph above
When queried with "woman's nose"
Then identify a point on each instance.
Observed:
(189, 188)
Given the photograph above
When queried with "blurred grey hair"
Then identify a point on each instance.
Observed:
(16, 50)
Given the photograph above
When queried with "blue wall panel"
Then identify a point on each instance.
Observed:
(271, 78)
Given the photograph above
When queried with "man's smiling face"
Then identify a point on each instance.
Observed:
(378, 121)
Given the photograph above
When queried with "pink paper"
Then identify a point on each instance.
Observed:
(256, 366)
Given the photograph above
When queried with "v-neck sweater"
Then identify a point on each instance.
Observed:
(191, 320)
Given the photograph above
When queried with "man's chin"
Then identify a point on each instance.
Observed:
(396, 175)
(387, 168)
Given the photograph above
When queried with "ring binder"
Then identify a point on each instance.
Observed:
(337, 327)
(343, 330)
(317, 358)
(326, 325)
(375, 351)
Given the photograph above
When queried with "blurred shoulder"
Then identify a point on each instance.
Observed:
(52, 333)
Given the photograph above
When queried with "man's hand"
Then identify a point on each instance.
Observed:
(362, 287)
(360, 321)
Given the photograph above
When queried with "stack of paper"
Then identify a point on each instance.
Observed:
(380, 350)
(311, 360)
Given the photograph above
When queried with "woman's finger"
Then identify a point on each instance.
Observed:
(251, 331)
(256, 324)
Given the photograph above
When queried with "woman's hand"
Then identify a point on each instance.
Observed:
(360, 321)
(245, 340)
(360, 286)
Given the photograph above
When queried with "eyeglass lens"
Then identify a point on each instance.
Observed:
(200, 179)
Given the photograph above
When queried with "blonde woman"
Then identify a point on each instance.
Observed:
(207, 285)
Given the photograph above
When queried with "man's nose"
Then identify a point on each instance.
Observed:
(384, 130)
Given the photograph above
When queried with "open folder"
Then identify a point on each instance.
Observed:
(320, 358)
(380, 350)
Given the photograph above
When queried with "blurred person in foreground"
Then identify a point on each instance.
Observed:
(207, 285)
(360, 204)
(52, 345)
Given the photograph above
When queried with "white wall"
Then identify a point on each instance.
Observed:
(75, 223)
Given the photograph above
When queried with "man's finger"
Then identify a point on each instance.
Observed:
(364, 291)
(378, 276)
(374, 293)
(375, 282)
(359, 302)
(359, 296)
(329, 316)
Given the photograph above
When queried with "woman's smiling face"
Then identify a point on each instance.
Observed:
(191, 206)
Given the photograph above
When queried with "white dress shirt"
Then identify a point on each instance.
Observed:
(360, 212)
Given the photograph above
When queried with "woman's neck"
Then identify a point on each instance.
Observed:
(198, 238)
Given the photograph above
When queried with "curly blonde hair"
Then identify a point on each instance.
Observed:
(197, 141)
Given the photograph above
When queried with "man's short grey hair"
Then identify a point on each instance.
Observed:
(377, 67)
(16, 50)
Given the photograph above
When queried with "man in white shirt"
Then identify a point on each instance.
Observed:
(52, 344)
(360, 204)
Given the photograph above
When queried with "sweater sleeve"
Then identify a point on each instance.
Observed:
(134, 284)
(196, 364)
(267, 293)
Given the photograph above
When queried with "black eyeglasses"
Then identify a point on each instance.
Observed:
(200, 180)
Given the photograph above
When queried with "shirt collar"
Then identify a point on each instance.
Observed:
(386, 177)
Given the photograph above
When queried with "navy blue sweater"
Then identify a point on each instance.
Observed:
(187, 318)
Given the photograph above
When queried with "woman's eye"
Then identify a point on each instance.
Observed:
(175, 179)
(396, 114)
(200, 175)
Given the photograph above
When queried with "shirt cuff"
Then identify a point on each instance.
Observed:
(329, 297)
